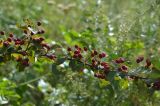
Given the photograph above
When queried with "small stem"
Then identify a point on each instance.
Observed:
(28, 82)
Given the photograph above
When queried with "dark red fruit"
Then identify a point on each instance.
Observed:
(76, 46)
(119, 69)
(6, 43)
(39, 23)
(39, 32)
(99, 75)
(37, 40)
(29, 26)
(46, 46)
(76, 52)
(25, 31)
(85, 49)
(94, 64)
(106, 67)
(80, 56)
(123, 67)
(93, 61)
(100, 56)
(9, 39)
(2, 32)
(11, 35)
(148, 62)
(75, 56)
(52, 56)
(42, 31)
(25, 63)
(92, 55)
(120, 60)
(69, 49)
(103, 63)
(41, 39)
(24, 53)
(156, 85)
(139, 59)
(95, 52)
(32, 33)
(103, 54)
(18, 42)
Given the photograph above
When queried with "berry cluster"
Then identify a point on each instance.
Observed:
(156, 85)
(91, 58)
(94, 60)
(33, 42)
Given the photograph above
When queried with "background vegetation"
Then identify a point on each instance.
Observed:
(121, 28)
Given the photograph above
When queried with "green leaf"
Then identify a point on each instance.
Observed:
(60, 61)
(103, 83)
(75, 65)
(124, 84)
(154, 74)
(111, 75)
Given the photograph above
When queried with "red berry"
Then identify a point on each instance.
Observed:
(76, 46)
(25, 31)
(95, 52)
(6, 43)
(92, 54)
(46, 46)
(148, 62)
(39, 23)
(119, 69)
(76, 52)
(29, 26)
(124, 67)
(103, 54)
(80, 56)
(51, 56)
(120, 60)
(79, 49)
(139, 59)
(106, 67)
(25, 63)
(11, 35)
(85, 49)
(102, 76)
(2, 32)
(100, 56)
(42, 31)
(96, 74)
(69, 49)
(39, 32)
(75, 55)
(41, 39)
(18, 42)
(24, 53)
(156, 85)
(9, 39)
(93, 61)
(93, 64)
(32, 33)
(103, 63)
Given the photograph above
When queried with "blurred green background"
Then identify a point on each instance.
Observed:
(119, 27)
